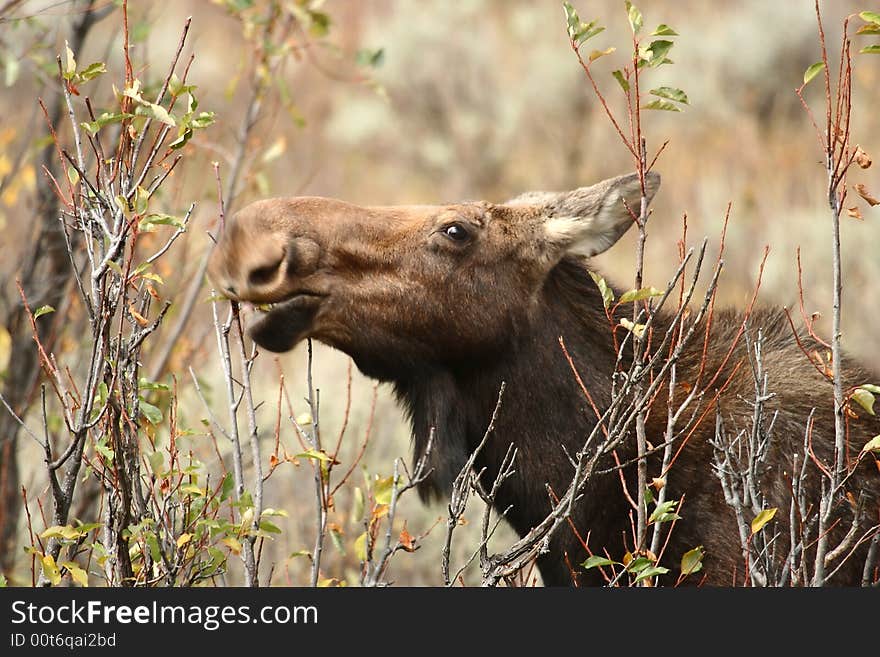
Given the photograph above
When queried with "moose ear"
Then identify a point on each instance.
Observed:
(589, 220)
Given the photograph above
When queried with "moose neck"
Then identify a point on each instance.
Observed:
(543, 413)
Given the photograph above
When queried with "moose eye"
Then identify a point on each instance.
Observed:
(456, 232)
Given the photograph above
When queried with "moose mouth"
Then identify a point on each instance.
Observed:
(285, 323)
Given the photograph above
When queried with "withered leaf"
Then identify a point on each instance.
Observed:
(862, 191)
(855, 213)
(862, 158)
(406, 540)
(140, 319)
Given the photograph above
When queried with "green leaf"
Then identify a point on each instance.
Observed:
(651, 572)
(176, 87)
(192, 489)
(572, 18)
(227, 487)
(202, 120)
(655, 54)
(664, 512)
(607, 293)
(587, 32)
(157, 461)
(3, 581)
(145, 107)
(267, 526)
(870, 387)
(157, 112)
(73, 176)
(336, 537)
(357, 506)
(382, 490)
(148, 223)
(314, 454)
(146, 384)
(692, 561)
(91, 71)
(671, 93)
(103, 449)
(870, 17)
(369, 57)
(638, 295)
(864, 398)
(87, 527)
(812, 71)
(50, 568)
(635, 17)
(140, 200)
(664, 30)
(870, 50)
(618, 75)
(664, 105)
(105, 118)
(360, 547)
(183, 137)
(638, 564)
(596, 54)
(869, 28)
(43, 310)
(762, 519)
(596, 561)
(872, 445)
(153, 414)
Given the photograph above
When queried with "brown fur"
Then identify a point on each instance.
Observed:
(446, 322)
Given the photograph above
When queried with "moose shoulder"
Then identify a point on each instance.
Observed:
(447, 302)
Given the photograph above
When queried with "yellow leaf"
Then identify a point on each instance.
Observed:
(232, 543)
(692, 561)
(762, 519)
(596, 54)
(382, 490)
(50, 569)
(183, 539)
(77, 574)
(276, 150)
(5, 348)
(360, 547)
(637, 329)
(69, 62)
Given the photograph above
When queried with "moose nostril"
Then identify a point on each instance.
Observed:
(265, 274)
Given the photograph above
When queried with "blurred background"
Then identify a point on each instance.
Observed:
(426, 101)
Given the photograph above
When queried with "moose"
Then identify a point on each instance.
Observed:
(447, 302)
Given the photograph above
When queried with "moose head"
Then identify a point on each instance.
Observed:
(399, 287)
